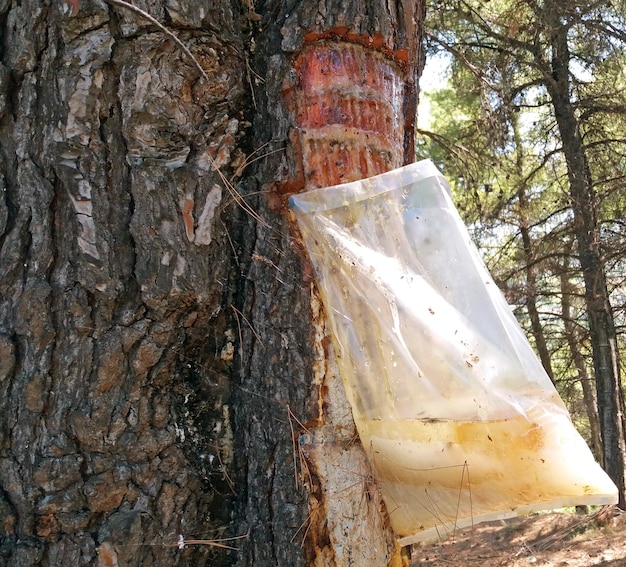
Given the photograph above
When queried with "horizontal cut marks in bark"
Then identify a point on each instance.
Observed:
(349, 110)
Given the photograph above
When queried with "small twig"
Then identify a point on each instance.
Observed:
(240, 314)
(232, 246)
(294, 449)
(297, 449)
(225, 474)
(236, 195)
(308, 522)
(458, 505)
(249, 75)
(247, 161)
(248, 72)
(172, 35)
(182, 542)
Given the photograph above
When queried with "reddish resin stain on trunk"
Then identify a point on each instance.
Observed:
(353, 112)
(187, 211)
(349, 112)
(370, 41)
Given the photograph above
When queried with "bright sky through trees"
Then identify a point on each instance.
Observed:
(434, 77)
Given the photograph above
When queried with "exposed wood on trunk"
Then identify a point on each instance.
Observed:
(342, 528)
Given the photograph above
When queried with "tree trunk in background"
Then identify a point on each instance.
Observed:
(530, 264)
(586, 229)
(573, 335)
(531, 294)
(157, 338)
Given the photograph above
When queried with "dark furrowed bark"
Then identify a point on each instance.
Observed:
(114, 266)
(286, 361)
(158, 330)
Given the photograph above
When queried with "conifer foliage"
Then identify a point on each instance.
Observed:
(530, 130)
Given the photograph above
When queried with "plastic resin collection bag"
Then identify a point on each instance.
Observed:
(455, 411)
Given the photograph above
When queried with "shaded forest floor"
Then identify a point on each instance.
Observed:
(540, 540)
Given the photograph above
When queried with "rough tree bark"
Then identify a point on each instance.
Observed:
(115, 322)
(159, 329)
(305, 112)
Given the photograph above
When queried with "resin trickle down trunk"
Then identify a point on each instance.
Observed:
(354, 115)
(285, 365)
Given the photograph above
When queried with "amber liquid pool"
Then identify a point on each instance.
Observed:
(439, 475)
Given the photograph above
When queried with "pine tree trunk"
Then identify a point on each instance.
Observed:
(312, 63)
(584, 205)
(531, 289)
(529, 255)
(159, 328)
(115, 318)
(573, 336)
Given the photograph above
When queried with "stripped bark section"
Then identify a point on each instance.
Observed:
(349, 112)
(353, 114)
(304, 133)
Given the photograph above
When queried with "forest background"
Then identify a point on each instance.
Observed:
(529, 127)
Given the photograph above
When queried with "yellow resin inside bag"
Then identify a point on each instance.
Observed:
(438, 475)
(460, 420)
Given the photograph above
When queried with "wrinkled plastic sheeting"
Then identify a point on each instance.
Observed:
(459, 418)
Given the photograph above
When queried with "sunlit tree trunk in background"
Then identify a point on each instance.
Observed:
(573, 335)
(162, 348)
(531, 293)
(530, 261)
(586, 229)
(516, 54)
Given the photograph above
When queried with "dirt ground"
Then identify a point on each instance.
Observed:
(540, 540)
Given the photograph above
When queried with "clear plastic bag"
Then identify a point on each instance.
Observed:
(455, 411)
